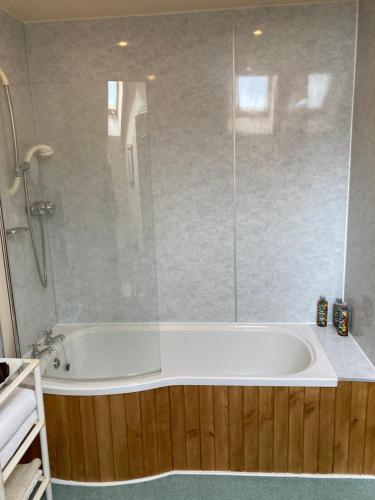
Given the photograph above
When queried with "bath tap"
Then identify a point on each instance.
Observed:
(37, 352)
(49, 340)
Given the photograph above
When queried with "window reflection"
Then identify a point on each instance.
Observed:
(256, 95)
(128, 159)
(115, 102)
(318, 87)
(317, 90)
(253, 93)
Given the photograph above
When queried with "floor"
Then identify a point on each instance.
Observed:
(201, 487)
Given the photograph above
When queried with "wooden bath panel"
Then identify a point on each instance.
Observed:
(255, 429)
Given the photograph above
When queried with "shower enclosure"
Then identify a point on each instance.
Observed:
(98, 227)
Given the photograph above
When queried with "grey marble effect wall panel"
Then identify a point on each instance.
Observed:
(35, 306)
(291, 163)
(13, 58)
(360, 275)
(190, 108)
(293, 116)
(192, 159)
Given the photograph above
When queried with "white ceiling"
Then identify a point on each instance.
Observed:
(48, 10)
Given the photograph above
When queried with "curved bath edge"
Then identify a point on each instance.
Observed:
(89, 389)
(208, 473)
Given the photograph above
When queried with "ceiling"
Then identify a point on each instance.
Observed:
(48, 10)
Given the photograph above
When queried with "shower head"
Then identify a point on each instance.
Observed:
(3, 78)
(46, 152)
(41, 150)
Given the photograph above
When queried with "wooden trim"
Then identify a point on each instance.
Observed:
(254, 429)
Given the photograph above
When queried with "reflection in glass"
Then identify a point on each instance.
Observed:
(318, 87)
(256, 95)
(128, 152)
(115, 95)
(317, 90)
(253, 93)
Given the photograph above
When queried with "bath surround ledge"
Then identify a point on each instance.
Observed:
(345, 355)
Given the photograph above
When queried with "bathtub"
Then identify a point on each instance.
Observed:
(126, 358)
(216, 397)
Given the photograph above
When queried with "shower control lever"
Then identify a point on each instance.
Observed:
(17, 230)
(41, 208)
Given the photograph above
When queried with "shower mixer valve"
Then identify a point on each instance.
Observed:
(41, 208)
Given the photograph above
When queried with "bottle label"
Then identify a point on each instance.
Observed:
(322, 314)
(343, 324)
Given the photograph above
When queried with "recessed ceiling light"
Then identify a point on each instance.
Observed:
(248, 69)
(122, 43)
(258, 32)
(151, 77)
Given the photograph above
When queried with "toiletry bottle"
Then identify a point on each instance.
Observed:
(343, 324)
(336, 312)
(322, 312)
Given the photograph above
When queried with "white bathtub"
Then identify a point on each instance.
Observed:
(196, 354)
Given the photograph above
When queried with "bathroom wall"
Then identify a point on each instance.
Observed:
(360, 270)
(34, 306)
(249, 140)
(191, 139)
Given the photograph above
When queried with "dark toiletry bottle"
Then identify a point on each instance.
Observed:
(4, 371)
(343, 323)
(336, 311)
(322, 312)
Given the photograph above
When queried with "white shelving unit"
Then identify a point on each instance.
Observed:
(27, 368)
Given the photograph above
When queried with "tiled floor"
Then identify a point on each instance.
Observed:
(201, 487)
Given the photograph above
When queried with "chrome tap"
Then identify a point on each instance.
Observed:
(37, 352)
(49, 340)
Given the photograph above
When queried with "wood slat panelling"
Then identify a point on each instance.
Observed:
(311, 429)
(61, 438)
(207, 427)
(104, 438)
(326, 429)
(89, 440)
(51, 432)
(193, 446)
(236, 429)
(163, 429)
(357, 427)
(267, 429)
(281, 429)
(342, 428)
(176, 395)
(119, 436)
(149, 433)
(221, 424)
(251, 429)
(73, 423)
(295, 456)
(134, 434)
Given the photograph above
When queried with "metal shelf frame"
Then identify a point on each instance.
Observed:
(29, 367)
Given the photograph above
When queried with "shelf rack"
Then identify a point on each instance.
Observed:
(27, 369)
